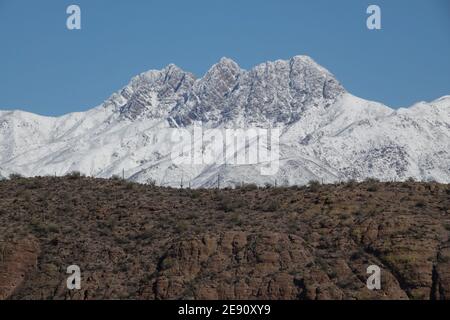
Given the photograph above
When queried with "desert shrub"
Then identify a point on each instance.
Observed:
(151, 182)
(314, 185)
(411, 179)
(74, 175)
(195, 194)
(167, 263)
(249, 186)
(443, 258)
(372, 184)
(332, 274)
(372, 180)
(181, 226)
(343, 216)
(393, 259)
(292, 226)
(268, 185)
(421, 203)
(348, 283)
(229, 204)
(4, 251)
(146, 234)
(236, 219)
(322, 263)
(120, 240)
(292, 229)
(417, 295)
(192, 215)
(44, 228)
(34, 184)
(15, 176)
(351, 183)
(27, 197)
(52, 228)
(115, 177)
(129, 185)
(270, 205)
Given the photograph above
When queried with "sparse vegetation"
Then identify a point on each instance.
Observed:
(314, 185)
(248, 187)
(270, 205)
(195, 194)
(372, 181)
(134, 234)
(228, 203)
(15, 176)
(351, 183)
(74, 175)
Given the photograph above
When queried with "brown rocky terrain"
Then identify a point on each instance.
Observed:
(142, 242)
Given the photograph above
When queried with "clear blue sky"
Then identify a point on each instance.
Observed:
(47, 69)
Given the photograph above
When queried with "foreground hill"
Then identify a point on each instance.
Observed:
(134, 241)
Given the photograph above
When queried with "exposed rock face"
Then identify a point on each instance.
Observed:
(238, 265)
(233, 265)
(18, 260)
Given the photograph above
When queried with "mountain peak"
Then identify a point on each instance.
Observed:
(224, 65)
(227, 61)
(270, 93)
(302, 58)
(152, 94)
(172, 68)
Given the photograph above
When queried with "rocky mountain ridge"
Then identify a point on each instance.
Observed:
(327, 134)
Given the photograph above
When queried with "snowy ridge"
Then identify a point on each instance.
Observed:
(327, 133)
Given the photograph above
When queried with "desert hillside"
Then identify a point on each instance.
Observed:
(135, 241)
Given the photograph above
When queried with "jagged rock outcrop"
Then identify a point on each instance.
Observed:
(233, 265)
(270, 94)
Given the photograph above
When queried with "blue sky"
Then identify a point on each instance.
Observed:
(47, 69)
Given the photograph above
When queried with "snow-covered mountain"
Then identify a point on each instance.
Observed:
(326, 133)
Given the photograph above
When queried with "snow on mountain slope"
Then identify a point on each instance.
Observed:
(326, 133)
